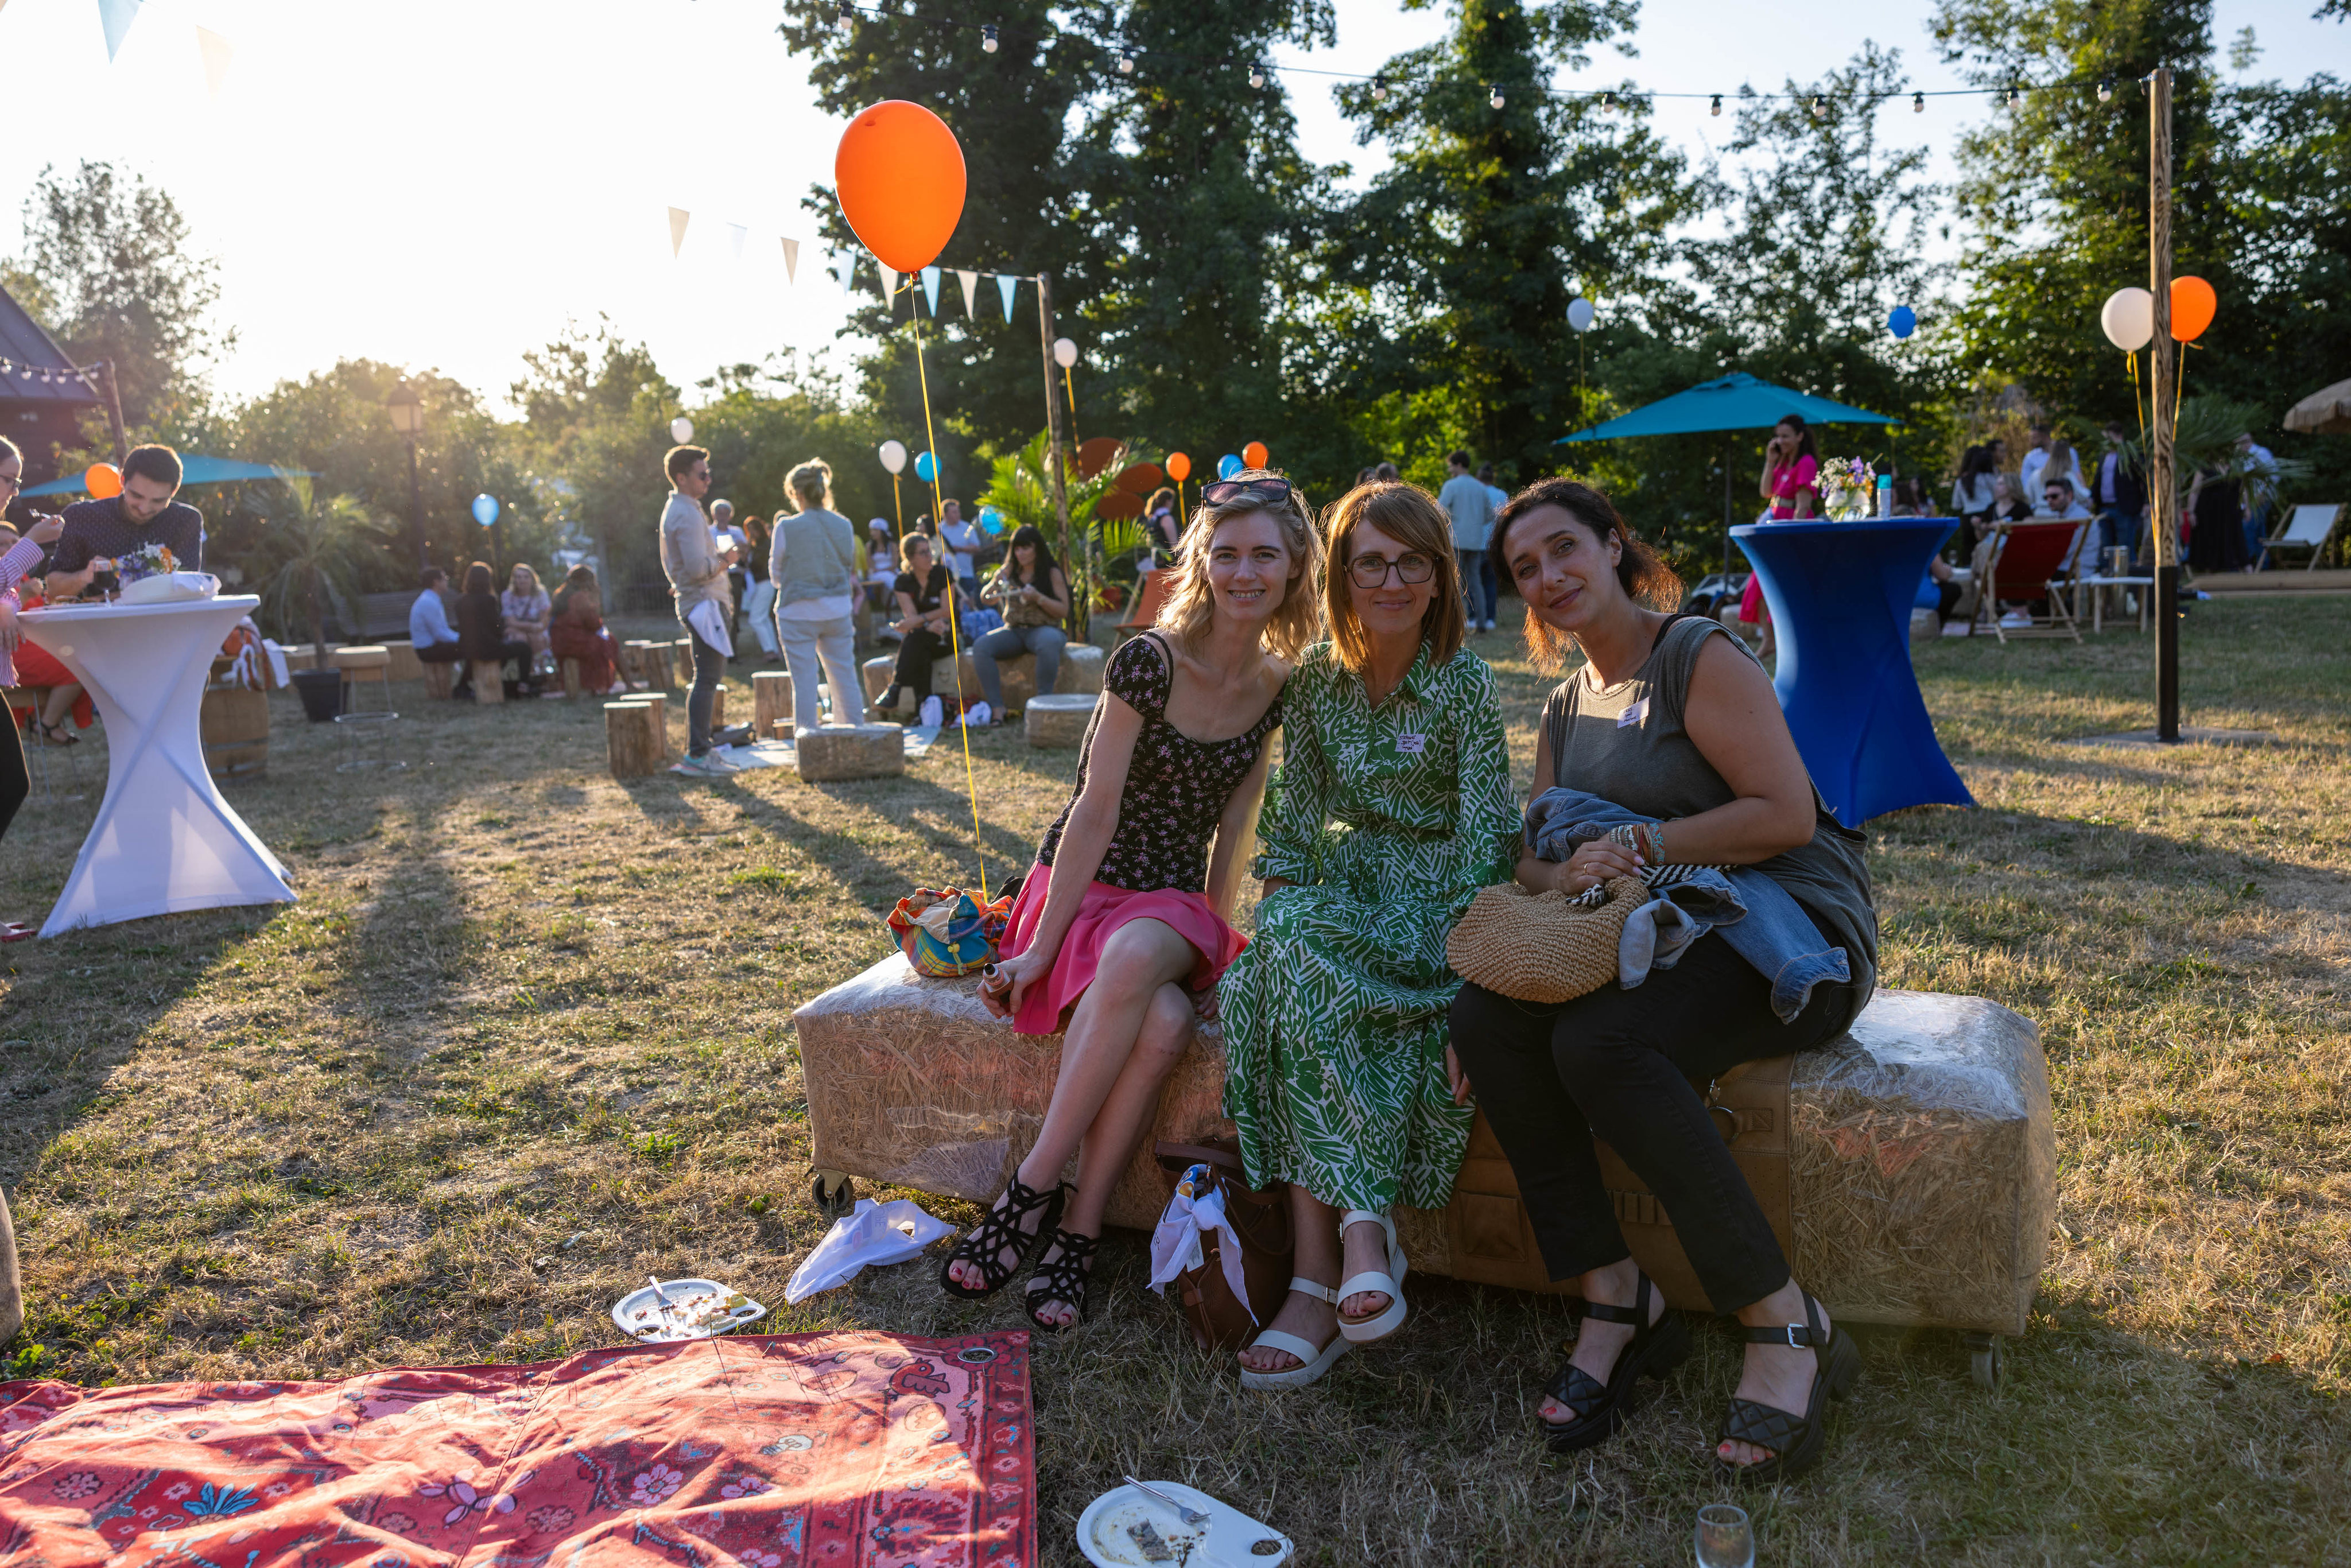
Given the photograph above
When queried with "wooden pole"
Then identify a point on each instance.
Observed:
(113, 405)
(1054, 475)
(2162, 495)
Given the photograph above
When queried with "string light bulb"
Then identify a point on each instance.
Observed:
(1607, 103)
(1917, 103)
(1820, 106)
(1379, 89)
(1496, 99)
(988, 38)
(2107, 90)
(1257, 73)
(1716, 110)
(847, 15)
(2015, 97)
(1126, 62)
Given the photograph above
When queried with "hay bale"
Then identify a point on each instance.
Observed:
(1059, 720)
(835, 751)
(876, 674)
(910, 1082)
(1081, 672)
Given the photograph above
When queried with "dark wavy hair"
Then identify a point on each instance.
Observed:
(1644, 577)
(1030, 534)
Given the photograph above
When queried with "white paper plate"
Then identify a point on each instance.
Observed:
(639, 1314)
(169, 587)
(1230, 1540)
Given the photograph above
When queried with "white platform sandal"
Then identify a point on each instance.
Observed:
(1314, 1363)
(1388, 1318)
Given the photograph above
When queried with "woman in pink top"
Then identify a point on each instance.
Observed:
(1791, 468)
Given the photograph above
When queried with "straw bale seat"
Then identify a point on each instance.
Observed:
(1915, 1154)
(836, 751)
(1080, 673)
(1059, 720)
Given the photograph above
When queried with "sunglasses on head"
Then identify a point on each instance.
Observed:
(1222, 492)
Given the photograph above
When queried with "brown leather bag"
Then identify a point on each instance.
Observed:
(1218, 1319)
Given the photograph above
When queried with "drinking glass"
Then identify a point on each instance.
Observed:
(1725, 1538)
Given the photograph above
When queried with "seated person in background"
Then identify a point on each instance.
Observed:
(576, 631)
(480, 632)
(18, 557)
(134, 534)
(2059, 503)
(429, 632)
(1030, 590)
(526, 610)
(925, 601)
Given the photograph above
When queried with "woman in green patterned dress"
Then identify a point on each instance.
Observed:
(1393, 808)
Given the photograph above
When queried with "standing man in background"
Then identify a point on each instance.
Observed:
(725, 536)
(696, 569)
(1500, 498)
(1472, 510)
(962, 542)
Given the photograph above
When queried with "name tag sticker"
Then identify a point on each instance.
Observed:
(1633, 714)
(1412, 745)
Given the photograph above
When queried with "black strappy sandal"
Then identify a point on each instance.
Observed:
(1001, 1231)
(1796, 1441)
(1067, 1278)
(1655, 1350)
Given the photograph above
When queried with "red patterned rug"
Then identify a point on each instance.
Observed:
(848, 1450)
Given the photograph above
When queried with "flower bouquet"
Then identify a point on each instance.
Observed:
(148, 561)
(1848, 489)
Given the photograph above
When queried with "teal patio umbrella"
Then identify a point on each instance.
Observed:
(1735, 402)
(194, 469)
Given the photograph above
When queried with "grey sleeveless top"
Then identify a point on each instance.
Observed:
(1625, 743)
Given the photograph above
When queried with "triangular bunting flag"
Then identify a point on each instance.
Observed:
(791, 260)
(889, 283)
(970, 281)
(844, 270)
(678, 218)
(738, 234)
(931, 289)
(217, 52)
(1005, 283)
(116, 16)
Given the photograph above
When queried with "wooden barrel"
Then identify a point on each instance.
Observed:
(234, 724)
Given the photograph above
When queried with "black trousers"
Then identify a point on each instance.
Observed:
(709, 669)
(15, 783)
(1620, 1064)
(914, 657)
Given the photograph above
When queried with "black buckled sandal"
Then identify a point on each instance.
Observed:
(1655, 1350)
(1066, 1277)
(1001, 1231)
(1796, 1441)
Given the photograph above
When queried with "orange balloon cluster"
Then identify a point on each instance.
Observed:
(1179, 467)
(2193, 305)
(103, 480)
(900, 174)
(1254, 455)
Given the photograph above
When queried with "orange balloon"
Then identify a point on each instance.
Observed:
(103, 479)
(900, 179)
(1179, 467)
(2193, 305)
(1254, 455)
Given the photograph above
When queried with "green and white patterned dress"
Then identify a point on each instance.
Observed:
(1386, 820)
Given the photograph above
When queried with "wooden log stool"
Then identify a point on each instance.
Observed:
(363, 664)
(489, 680)
(633, 738)
(682, 654)
(1059, 720)
(405, 665)
(836, 751)
(234, 724)
(649, 664)
(771, 704)
(574, 688)
(440, 679)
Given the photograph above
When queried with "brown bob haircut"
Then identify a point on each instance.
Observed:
(1646, 579)
(1410, 515)
(1191, 601)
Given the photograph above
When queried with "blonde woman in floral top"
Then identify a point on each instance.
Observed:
(1393, 809)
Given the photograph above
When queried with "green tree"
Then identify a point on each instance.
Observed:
(319, 548)
(596, 417)
(111, 260)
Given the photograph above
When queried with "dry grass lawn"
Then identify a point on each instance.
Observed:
(527, 1038)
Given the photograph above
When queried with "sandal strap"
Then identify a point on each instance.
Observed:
(1637, 1314)
(1306, 1286)
(1000, 1229)
(1809, 1336)
(1763, 1425)
(1577, 1389)
(1067, 1278)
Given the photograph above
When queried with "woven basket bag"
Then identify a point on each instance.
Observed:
(1541, 947)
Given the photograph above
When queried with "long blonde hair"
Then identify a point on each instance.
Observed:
(1410, 515)
(1192, 602)
(815, 475)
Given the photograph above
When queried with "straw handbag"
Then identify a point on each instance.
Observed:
(1542, 946)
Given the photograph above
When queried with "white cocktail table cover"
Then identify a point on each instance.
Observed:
(164, 839)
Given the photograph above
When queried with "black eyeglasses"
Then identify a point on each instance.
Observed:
(1370, 570)
(1220, 492)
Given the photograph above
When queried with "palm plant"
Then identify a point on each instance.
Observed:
(317, 544)
(1020, 489)
(2204, 440)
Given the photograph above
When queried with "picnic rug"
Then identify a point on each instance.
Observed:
(848, 1450)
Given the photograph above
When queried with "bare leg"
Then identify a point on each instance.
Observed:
(1121, 1124)
(58, 707)
(1779, 1376)
(1141, 957)
(1314, 1225)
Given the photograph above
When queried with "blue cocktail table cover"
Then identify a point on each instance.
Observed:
(1841, 595)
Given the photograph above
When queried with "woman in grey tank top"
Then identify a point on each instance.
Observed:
(1671, 720)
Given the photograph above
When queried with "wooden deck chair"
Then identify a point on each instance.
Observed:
(2025, 565)
(2306, 527)
(1143, 608)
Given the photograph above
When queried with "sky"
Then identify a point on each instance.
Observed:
(447, 184)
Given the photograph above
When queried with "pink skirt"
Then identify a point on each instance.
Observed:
(1101, 913)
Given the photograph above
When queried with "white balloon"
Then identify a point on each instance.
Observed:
(1065, 352)
(893, 456)
(681, 429)
(2128, 319)
(1578, 313)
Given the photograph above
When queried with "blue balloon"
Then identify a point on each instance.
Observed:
(486, 509)
(1904, 321)
(991, 521)
(927, 467)
(1228, 465)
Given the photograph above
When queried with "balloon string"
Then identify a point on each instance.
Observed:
(955, 642)
(2138, 402)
